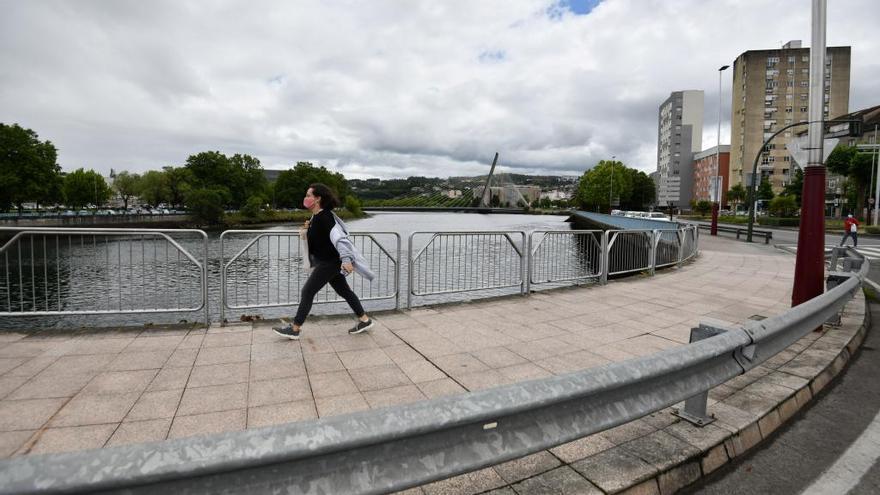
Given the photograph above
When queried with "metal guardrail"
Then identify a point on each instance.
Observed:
(137, 270)
(392, 449)
(465, 261)
(565, 256)
(269, 269)
(741, 231)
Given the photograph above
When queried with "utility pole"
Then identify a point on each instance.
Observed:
(717, 182)
(809, 271)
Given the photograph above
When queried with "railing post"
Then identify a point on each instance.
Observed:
(603, 268)
(678, 235)
(694, 411)
(409, 272)
(205, 284)
(397, 274)
(655, 240)
(222, 284)
(527, 277)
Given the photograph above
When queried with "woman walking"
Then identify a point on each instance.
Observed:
(332, 257)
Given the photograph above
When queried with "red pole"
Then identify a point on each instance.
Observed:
(809, 269)
(714, 229)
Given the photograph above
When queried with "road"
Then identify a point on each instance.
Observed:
(830, 447)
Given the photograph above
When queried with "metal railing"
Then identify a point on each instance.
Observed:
(452, 262)
(396, 448)
(565, 256)
(46, 270)
(269, 268)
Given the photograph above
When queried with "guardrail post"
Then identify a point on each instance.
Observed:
(205, 284)
(397, 274)
(652, 253)
(603, 278)
(694, 411)
(222, 284)
(527, 277)
(679, 234)
(409, 272)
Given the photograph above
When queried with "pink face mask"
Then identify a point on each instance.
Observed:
(308, 202)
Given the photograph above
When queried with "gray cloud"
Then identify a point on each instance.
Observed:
(386, 88)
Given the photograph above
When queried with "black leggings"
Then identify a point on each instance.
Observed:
(320, 276)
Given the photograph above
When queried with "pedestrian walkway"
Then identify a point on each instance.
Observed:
(870, 252)
(63, 391)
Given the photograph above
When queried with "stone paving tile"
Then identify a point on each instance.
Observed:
(393, 396)
(28, 414)
(32, 366)
(614, 469)
(526, 467)
(208, 423)
(379, 377)
(212, 399)
(226, 339)
(48, 386)
(420, 371)
(469, 483)
(9, 384)
(223, 355)
(72, 365)
(280, 390)
(440, 388)
(323, 363)
(340, 404)
(119, 382)
(219, 374)
(144, 360)
(285, 412)
(561, 480)
(273, 351)
(131, 432)
(457, 365)
(54, 440)
(12, 441)
(153, 343)
(170, 379)
(582, 448)
(278, 368)
(333, 383)
(93, 410)
(364, 358)
(155, 405)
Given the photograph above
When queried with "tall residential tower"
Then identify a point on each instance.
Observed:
(680, 135)
(771, 90)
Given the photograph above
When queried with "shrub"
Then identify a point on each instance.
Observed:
(206, 205)
(353, 204)
(253, 207)
(779, 221)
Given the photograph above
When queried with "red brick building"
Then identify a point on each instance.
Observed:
(704, 169)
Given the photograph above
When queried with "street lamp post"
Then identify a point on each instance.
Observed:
(809, 269)
(611, 187)
(716, 197)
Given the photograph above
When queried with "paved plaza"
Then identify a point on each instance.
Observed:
(70, 390)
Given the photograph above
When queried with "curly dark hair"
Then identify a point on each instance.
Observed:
(328, 197)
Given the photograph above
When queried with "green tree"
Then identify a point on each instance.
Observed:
(241, 175)
(291, 186)
(353, 204)
(126, 185)
(607, 177)
(783, 206)
(82, 187)
(847, 161)
(205, 205)
(702, 207)
(28, 168)
(765, 190)
(253, 207)
(643, 191)
(736, 195)
(153, 188)
(178, 181)
(795, 187)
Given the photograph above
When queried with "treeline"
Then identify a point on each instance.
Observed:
(207, 184)
(633, 189)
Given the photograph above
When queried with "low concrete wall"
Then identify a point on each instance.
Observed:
(98, 221)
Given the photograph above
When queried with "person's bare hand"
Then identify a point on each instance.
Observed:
(348, 267)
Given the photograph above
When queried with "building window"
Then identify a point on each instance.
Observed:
(790, 83)
(805, 84)
(805, 72)
(804, 96)
(791, 59)
(805, 58)
(788, 109)
(803, 109)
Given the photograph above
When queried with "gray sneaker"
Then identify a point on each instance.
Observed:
(287, 330)
(362, 326)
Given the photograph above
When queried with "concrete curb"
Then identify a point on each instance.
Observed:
(661, 454)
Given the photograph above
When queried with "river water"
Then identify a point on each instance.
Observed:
(47, 272)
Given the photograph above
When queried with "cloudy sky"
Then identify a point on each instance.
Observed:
(388, 88)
